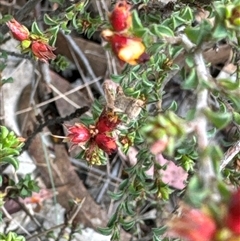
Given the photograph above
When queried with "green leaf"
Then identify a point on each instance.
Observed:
(35, 29)
(220, 31)
(49, 21)
(162, 31)
(192, 33)
(146, 83)
(2, 66)
(190, 114)
(75, 21)
(235, 101)
(219, 119)
(187, 13)
(117, 78)
(128, 225)
(123, 184)
(8, 80)
(3, 54)
(220, 10)
(129, 208)
(159, 231)
(115, 196)
(176, 50)
(69, 15)
(191, 80)
(105, 231)
(136, 21)
(228, 84)
(177, 21)
(52, 41)
(5, 18)
(196, 193)
(236, 117)
(156, 238)
(24, 193)
(115, 235)
(4, 132)
(189, 61)
(165, 191)
(8, 151)
(10, 160)
(224, 191)
(112, 220)
(173, 106)
(200, 32)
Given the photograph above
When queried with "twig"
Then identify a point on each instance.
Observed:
(53, 99)
(75, 211)
(45, 232)
(205, 164)
(10, 218)
(85, 80)
(104, 187)
(69, 219)
(11, 53)
(97, 171)
(63, 96)
(85, 61)
(229, 155)
(29, 213)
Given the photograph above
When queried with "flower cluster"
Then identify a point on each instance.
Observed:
(200, 225)
(126, 47)
(95, 138)
(30, 42)
(232, 17)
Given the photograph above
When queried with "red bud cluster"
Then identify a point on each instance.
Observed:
(98, 136)
(31, 43)
(19, 31)
(42, 51)
(193, 225)
(233, 214)
(197, 225)
(78, 134)
(121, 18)
(127, 48)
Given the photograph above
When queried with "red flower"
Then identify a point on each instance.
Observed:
(107, 121)
(78, 134)
(106, 143)
(128, 49)
(19, 31)
(233, 216)
(193, 225)
(121, 18)
(42, 51)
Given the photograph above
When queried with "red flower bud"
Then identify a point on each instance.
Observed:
(42, 51)
(19, 31)
(78, 134)
(128, 49)
(106, 143)
(193, 225)
(107, 121)
(121, 18)
(233, 216)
